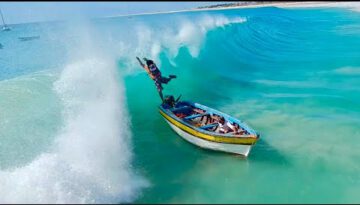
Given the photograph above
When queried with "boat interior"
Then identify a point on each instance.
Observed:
(205, 120)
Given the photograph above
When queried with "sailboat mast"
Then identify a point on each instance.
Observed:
(2, 17)
(5, 27)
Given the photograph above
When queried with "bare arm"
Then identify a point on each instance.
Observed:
(141, 63)
(146, 68)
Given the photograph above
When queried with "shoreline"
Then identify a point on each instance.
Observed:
(305, 4)
(352, 5)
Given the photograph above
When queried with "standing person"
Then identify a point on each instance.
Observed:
(155, 74)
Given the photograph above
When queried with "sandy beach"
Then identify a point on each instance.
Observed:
(283, 4)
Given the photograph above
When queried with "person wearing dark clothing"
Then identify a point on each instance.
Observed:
(155, 74)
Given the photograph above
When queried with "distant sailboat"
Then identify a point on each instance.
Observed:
(5, 27)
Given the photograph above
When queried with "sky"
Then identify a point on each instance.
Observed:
(25, 12)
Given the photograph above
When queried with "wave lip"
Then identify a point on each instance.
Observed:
(190, 33)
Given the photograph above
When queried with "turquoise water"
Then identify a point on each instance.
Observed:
(79, 120)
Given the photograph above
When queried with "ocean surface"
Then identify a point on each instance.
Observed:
(79, 121)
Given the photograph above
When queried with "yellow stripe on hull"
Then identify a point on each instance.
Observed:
(213, 138)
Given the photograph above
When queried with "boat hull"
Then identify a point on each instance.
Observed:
(241, 149)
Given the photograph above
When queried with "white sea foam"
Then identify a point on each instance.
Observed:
(192, 33)
(348, 70)
(189, 33)
(90, 160)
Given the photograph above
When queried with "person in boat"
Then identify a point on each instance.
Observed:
(169, 100)
(233, 126)
(223, 126)
(211, 119)
(155, 74)
(214, 118)
(205, 119)
(237, 130)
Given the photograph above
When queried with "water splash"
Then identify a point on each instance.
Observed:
(91, 159)
(189, 33)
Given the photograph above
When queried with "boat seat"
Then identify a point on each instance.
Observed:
(208, 126)
(195, 116)
(180, 108)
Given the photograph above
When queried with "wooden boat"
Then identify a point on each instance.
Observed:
(187, 119)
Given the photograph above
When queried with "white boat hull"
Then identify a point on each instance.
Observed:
(225, 147)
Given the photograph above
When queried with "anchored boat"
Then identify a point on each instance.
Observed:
(5, 27)
(205, 127)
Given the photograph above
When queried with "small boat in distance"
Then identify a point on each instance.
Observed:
(195, 123)
(29, 38)
(5, 27)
